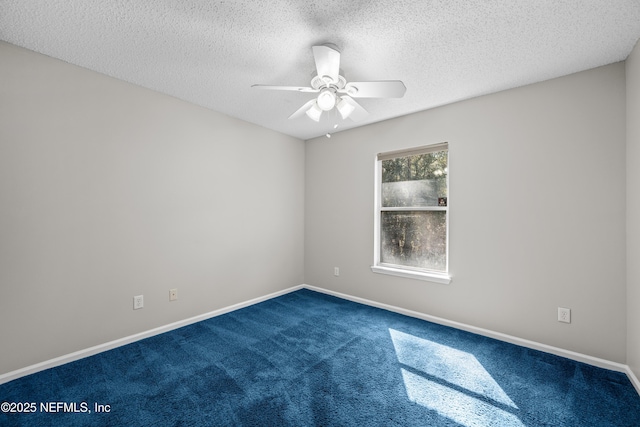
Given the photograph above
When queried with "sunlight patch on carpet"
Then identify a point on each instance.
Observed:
(452, 382)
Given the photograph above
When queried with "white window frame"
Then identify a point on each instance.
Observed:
(398, 270)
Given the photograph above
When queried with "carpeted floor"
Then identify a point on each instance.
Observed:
(308, 359)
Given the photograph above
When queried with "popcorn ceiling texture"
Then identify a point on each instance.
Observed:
(211, 52)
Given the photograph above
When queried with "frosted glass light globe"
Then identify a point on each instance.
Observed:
(326, 99)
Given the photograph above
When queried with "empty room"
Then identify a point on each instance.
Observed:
(416, 213)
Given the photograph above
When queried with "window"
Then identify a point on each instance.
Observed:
(412, 213)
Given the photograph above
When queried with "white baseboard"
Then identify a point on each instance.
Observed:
(633, 379)
(10, 376)
(601, 363)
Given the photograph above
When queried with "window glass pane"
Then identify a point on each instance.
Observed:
(414, 180)
(414, 239)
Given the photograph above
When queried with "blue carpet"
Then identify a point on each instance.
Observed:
(306, 359)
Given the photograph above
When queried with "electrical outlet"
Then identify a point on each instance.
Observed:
(564, 315)
(173, 294)
(138, 302)
(336, 271)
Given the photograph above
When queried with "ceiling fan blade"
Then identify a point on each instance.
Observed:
(379, 89)
(358, 112)
(327, 62)
(300, 111)
(291, 88)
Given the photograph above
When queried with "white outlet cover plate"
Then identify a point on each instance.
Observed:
(564, 315)
(138, 302)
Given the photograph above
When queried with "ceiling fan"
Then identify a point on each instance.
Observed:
(335, 92)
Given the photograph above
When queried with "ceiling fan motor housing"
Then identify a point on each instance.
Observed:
(318, 82)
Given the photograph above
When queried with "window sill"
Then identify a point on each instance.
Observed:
(442, 278)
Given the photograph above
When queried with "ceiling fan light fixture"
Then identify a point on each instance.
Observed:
(345, 108)
(314, 112)
(326, 99)
(333, 91)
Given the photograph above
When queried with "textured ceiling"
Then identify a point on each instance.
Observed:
(211, 52)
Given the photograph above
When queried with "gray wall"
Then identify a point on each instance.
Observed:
(633, 210)
(537, 202)
(108, 190)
